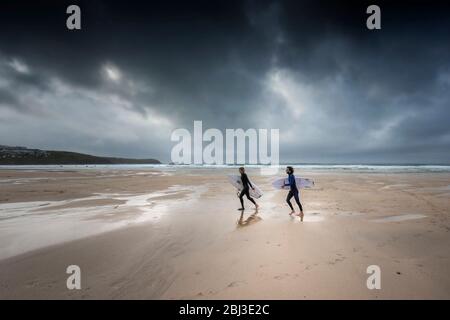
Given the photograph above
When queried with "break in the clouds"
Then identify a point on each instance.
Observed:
(337, 91)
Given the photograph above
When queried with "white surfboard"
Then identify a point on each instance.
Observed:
(300, 182)
(236, 181)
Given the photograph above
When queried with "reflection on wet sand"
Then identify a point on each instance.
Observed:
(251, 219)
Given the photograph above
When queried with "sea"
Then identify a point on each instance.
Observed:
(386, 168)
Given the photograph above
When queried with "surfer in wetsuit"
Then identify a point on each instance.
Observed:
(246, 189)
(293, 192)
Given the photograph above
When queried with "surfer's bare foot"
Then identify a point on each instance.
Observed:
(256, 206)
(301, 215)
(292, 212)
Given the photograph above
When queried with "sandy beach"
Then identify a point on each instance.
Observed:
(175, 233)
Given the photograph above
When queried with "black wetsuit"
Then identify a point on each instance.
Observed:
(246, 189)
(293, 192)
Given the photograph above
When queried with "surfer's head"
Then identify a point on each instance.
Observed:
(241, 170)
(289, 170)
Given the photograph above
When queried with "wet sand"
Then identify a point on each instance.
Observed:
(176, 234)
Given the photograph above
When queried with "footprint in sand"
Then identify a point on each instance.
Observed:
(281, 276)
(335, 261)
(32, 284)
(235, 284)
(312, 217)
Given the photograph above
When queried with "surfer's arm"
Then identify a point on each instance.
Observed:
(249, 183)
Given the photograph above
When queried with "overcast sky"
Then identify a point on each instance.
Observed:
(137, 70)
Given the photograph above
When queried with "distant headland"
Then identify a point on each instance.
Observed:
(13, 155)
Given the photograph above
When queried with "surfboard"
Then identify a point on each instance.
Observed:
(236, 181)
(300, 182)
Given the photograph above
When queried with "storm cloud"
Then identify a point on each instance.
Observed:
(137, 70)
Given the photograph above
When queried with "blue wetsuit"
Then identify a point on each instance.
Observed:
(293, 192)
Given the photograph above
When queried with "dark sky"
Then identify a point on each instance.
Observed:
(137, 70)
